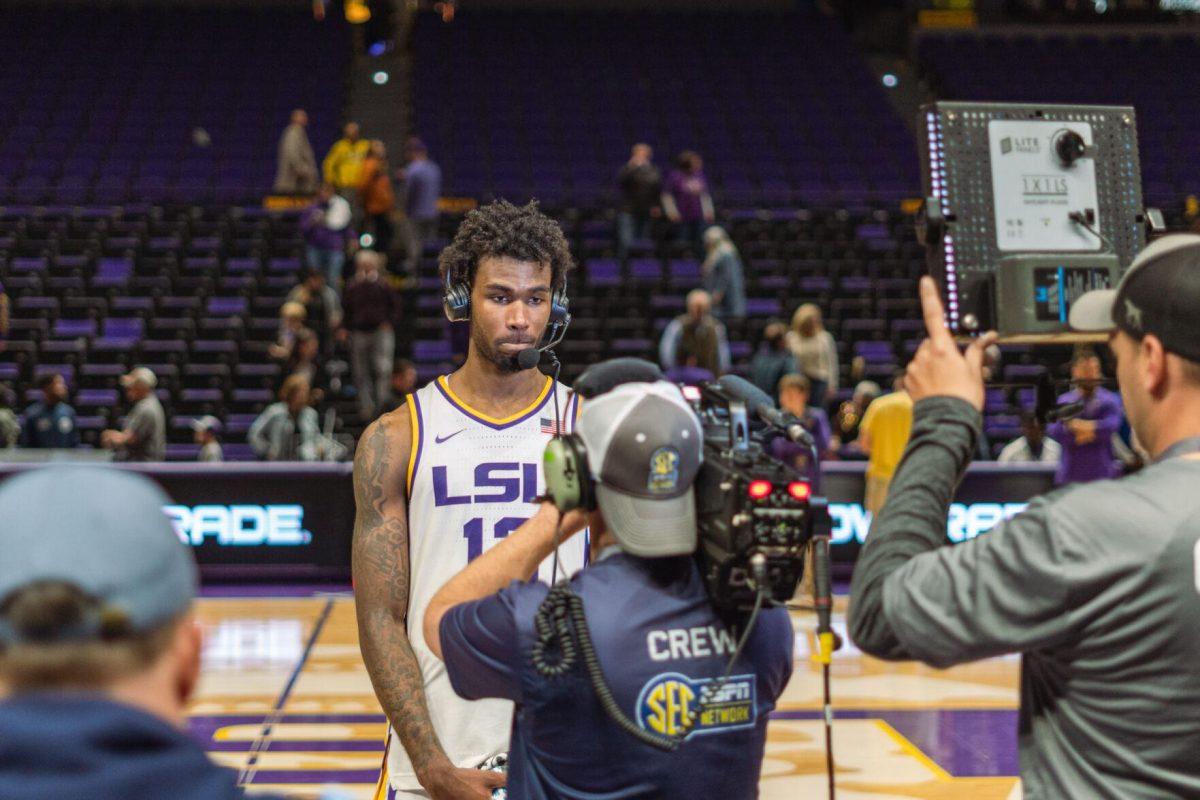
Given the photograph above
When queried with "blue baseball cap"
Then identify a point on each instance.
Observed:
(102, 530)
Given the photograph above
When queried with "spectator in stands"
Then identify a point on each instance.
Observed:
(687, 201)
(849, 417)
(343, 163)
(724, 277)
(99, 642)
(322, 308)
(305, 361)
(696, 338)
(883, 436)
(403, 379)
(291, 321)
(640, 183)
(773, 360)
(4, 317)
(10, 426)
(50, 424)
(377, 197)
(144, 437)
(404, 383)
(816, 352)
(422, 189)
(1033, 444)
(327, 233)
(288, 430)
(372, 310)
(1086, 439)
(297, 170)
(205, 431)
(793, 398)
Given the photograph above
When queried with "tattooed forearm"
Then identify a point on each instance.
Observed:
(381, 581)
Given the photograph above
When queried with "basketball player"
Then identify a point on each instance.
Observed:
(446, 476)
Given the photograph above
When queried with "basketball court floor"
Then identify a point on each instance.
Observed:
(286, 700)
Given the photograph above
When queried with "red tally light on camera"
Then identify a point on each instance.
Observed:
(799, 491)
(759, 489)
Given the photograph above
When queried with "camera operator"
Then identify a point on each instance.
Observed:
(1096, 584)
(658, 639)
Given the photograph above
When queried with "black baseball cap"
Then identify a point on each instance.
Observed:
(1158, 294)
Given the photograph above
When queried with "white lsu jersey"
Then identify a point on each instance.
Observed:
(471, 481)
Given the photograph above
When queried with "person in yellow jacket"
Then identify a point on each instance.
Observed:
(344, 162)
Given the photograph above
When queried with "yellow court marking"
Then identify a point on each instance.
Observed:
(912, 750)
(304, 732)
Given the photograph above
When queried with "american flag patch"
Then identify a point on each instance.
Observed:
(550, 426)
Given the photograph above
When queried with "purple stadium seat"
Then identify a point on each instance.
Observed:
(225, 306)
(602, 272)
(94, 398)
(182, 452)
(426, 350)
(74, 328)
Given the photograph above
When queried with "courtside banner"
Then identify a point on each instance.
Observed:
(296, 521)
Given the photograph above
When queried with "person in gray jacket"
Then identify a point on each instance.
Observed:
(1097, 584)
(288, 430)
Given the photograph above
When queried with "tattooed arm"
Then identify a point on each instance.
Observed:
(381, 581)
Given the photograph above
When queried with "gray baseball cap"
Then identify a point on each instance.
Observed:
(645, 447)
(1158, 294)
(102, 530)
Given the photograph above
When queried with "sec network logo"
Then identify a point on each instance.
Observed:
(667, 700)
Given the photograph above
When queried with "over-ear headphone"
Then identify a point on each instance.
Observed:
(456, 300)
(568, 480)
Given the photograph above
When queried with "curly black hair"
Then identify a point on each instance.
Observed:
(501, 229)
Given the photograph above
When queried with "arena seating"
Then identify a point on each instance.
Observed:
(123, 242)
(1154, 72)
(101, 104)
(194, 294)
(780, 106)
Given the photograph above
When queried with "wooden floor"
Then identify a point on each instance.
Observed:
(285, 699)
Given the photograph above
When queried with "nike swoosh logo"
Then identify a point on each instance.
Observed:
(440, 439)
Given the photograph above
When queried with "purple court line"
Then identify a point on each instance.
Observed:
(273, 589)
(966, 742)
(326, 776)
(248, 772)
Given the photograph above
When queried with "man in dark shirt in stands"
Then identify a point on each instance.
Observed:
(641, 187)
(1086, 439)
(658, 639)
(50, 424)
(422, 190)
(371, 309)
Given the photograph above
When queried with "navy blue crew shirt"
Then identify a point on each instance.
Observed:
(659, 642)
(49, 426)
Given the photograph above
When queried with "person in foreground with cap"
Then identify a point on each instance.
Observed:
(658, 639)
(144, 437)
(99, 649)
(1097, 585)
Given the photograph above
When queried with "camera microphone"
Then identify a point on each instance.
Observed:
(608, 375)
(760, 404)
